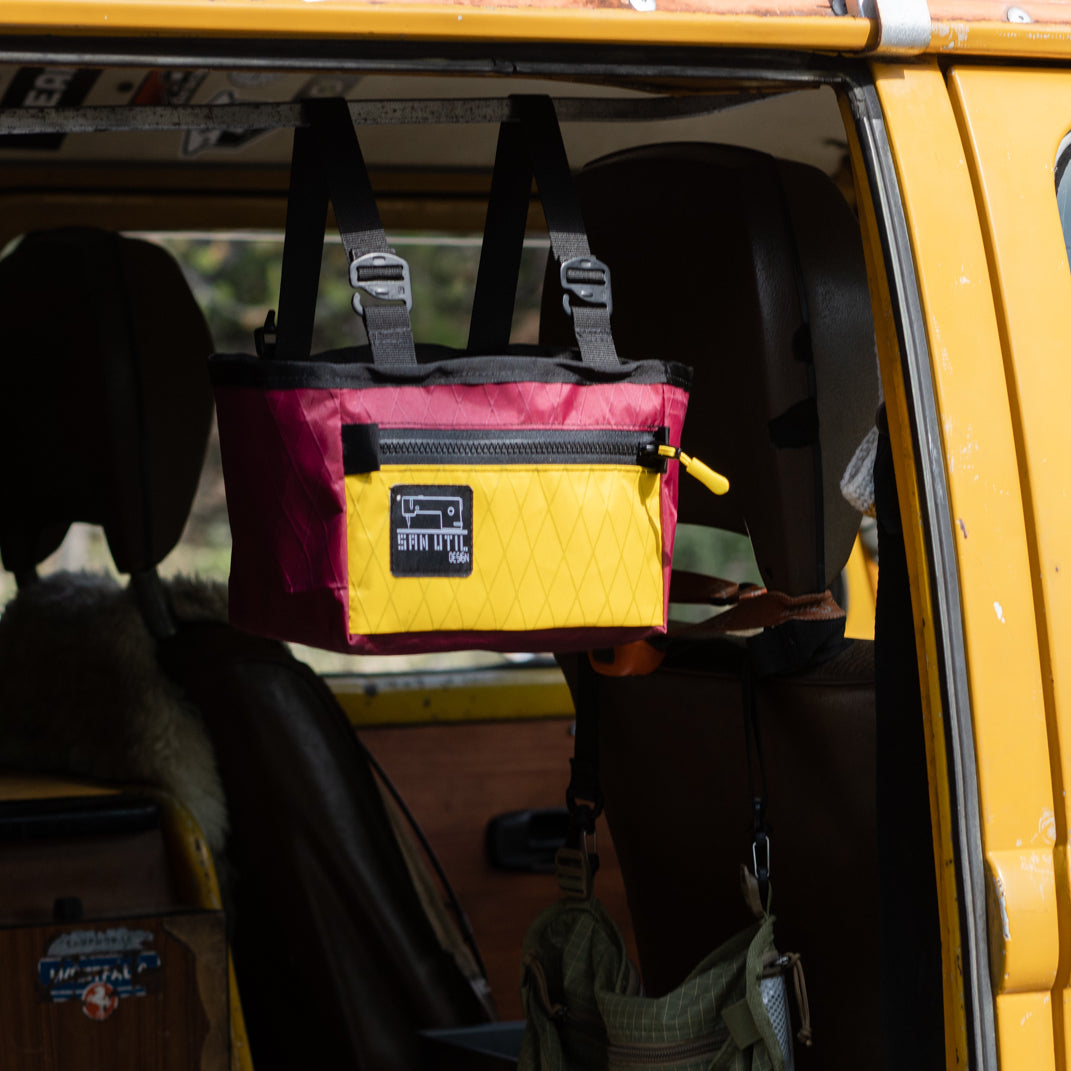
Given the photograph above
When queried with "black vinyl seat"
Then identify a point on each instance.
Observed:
(105, 415)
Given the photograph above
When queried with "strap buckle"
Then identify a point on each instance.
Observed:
(264, 338)
(588, 279)
(584, 806)
(760, 858)
(383, 279)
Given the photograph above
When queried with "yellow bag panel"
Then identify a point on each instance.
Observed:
(566, 546)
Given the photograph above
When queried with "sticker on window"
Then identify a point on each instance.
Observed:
(431, 530)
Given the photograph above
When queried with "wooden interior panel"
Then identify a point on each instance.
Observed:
(112, 876)
(69, 995)
(455, 779)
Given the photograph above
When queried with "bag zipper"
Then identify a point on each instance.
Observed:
(654, 1054)
(488, 446)
(366, 447)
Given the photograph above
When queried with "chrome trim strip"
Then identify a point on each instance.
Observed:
(904, 26)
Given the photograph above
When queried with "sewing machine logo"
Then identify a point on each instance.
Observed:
(431, 530)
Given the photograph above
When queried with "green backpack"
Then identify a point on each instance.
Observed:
(585, 1010)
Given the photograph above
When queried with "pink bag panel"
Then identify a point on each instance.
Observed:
(282, 451)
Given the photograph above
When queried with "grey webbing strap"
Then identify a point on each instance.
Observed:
(380, 278)
(584, 796)
(592, 328)
(585, 280)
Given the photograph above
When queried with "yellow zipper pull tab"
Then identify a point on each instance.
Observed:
(713, 481)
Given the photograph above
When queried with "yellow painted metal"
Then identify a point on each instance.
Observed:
(1003, 668)
(1013, 122)
(993, 38)
(860, 579)
(198, 882)
(979, 27)
(1024, 1033)
(975, 26)
(517, 693)
(937, 762)
(194, 869)
(30, 786)
(400, 21)
(241, 1055)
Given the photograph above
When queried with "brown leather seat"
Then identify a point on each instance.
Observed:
(104, 418)
(750, 269)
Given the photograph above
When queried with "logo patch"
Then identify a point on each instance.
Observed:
(430, 530)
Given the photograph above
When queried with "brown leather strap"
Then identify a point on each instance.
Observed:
(751, 608)
(760, 608)
(695, 588)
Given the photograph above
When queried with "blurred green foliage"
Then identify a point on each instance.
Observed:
(236, 282)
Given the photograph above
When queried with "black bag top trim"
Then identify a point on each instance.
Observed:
(343, 369)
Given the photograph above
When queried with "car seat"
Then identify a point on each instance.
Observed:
(750, 269)
(106, 411)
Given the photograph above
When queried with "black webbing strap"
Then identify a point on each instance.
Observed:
(787, 648)
(795, 644)
(327, 159)
(760, 828)
(303, 243)
(503, 243)
(583, 797)
(585, 280)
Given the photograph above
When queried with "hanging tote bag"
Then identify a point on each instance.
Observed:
(402, 498)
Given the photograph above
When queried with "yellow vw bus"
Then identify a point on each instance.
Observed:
(853, 222)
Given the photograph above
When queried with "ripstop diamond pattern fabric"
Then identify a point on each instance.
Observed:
(552, 547)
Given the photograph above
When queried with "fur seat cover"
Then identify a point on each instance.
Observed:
(81, 692)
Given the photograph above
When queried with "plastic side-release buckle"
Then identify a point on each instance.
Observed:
(383, 279)
(264, 338)
(588, 279)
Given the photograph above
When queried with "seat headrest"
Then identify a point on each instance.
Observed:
(750, 269)
(106, 406)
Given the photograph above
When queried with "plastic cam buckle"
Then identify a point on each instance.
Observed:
(587, 279)
(383, 279)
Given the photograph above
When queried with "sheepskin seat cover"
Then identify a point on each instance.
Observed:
(81, 692)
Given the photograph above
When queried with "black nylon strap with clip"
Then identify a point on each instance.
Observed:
(327, 161)
(532, 144)
(583, 797)
(503, 243)
(306, 214)
(760, 827)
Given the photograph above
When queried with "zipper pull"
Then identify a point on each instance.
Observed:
(713, 481)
